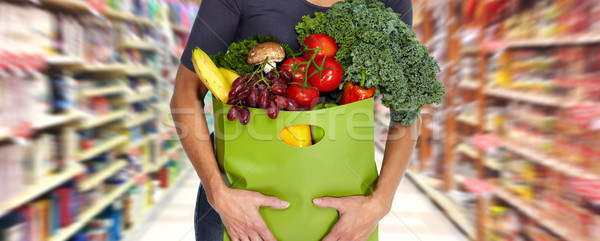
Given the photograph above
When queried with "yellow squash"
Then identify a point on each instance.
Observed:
(298, 135)
(210, 75)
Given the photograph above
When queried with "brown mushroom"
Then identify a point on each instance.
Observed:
(259, 53)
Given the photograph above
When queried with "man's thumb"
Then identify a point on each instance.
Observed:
(327, 202)
(273, 202)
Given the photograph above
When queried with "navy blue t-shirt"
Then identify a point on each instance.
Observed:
(222, 22)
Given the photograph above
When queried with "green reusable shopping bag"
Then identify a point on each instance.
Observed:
(341, 164)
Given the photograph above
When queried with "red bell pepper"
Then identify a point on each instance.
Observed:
(354, 92)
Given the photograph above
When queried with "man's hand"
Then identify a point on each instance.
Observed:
(239, 212)
(359, 216)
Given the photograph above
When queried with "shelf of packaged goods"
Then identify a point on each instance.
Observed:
(468, 84)
(44, 185)
(97, 178)
(65, 61)
(546, 160)
(127, 16)
(88, 214)
(492, 163)
(139, 96)
(540, 99)
(103, 91)
(72, 5)
(468, 119)
(180, 29)
(554, 41)
(467, 149)
(138, 221)
(139, 119)
(139, 71)
(460, 179)
(142, 141)
(115, 69)
(57, 119)
(471, 152)
(162, 107)
(93, 121)
(106, 146)
(4, 133)
(137, 44)
(164, 159)
(456, 213)
(559, 227)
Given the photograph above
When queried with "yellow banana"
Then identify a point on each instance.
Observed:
(229, 74)
(210, 75)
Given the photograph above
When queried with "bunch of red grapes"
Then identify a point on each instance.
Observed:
(266, 91)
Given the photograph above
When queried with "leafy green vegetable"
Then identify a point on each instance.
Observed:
(237, 54)
(372, 36)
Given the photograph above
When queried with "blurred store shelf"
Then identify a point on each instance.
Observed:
(126, 16)
(180, 29)
(557, 226)
(71, 5)
(139, 96)
(104, 90)
(137, 44)
(58, 119)
(4, 133)
(105, 145)
(130, 233)
(472, 153)
(467, 149)
(534, 98)
(164, 159)
(42, 186)
(468, 119)
(142, 141)
(139, 119)
(84, 217)
(549, 161)
(468, 84)
(137, 71)
(65, 62)
(92, 121)
(555, 41)
(99, 177)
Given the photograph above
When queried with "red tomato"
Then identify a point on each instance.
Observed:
(290, 62)
(329, 79)
(307, 98)
(327, 44)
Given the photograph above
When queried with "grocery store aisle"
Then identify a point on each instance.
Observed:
(413, 217)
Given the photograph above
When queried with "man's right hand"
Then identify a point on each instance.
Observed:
(239, 212)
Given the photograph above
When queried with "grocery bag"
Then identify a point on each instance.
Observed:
(341, 164)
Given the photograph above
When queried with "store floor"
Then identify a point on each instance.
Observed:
(413, 217)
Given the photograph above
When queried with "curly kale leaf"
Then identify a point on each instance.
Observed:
(372, 36)
(237, 54)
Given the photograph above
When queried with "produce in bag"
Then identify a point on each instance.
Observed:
(378, 55)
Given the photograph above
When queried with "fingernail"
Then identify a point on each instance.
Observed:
(285, 203)
(316, 200)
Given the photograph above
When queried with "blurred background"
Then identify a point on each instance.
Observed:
(88, 150)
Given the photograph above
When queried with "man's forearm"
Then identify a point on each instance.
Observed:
(398, 150)
(192, 129)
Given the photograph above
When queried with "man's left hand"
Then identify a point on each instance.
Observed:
(359, 216)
